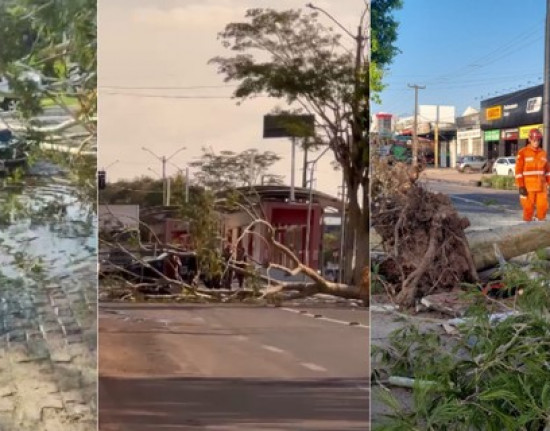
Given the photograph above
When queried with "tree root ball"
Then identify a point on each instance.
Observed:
(423, 237)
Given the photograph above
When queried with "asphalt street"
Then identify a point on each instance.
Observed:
(233, 367)
(484, 207)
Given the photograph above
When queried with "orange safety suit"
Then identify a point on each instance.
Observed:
(533, 173)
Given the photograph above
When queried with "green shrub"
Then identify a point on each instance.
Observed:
(502, 182)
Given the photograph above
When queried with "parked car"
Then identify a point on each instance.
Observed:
(472, 163)
(504, 166)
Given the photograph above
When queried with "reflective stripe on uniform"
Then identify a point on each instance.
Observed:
(521, 175)
(533, 173)
(529, 159)
(522, 197)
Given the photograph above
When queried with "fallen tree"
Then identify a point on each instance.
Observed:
(273, 288)
(423, 240)
(520, 240)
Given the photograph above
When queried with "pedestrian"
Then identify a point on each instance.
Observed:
(241, 263)
(533, 178)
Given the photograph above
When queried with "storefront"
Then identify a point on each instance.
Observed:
(506, 121)
(469, 135)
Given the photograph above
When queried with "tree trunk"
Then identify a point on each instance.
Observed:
(352, 240)
(511, 241)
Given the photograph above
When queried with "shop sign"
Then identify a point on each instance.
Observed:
(493, 113)
(513, 110)
(524, 131)
(509, 134)
(533, 105)
(468, 134)
(492, 135)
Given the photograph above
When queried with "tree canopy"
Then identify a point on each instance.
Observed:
(229, 169)
(56, 40)
(292, 56)
(384, 34)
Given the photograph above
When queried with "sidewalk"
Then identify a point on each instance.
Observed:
(450, 175)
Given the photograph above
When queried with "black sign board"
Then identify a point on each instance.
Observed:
(511, 110)
(288, 126)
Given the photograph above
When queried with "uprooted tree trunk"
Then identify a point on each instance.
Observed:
(423, 237)
(511, 242)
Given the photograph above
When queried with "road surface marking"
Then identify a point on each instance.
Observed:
(327, 319)
(241, 337)
(313, 367)
(273, 349)
(496, 206)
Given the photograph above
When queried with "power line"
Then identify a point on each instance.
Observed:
(161, 87)
(168, 96)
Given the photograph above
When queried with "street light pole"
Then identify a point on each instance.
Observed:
(164, 159)
(308, 224)
(415, 123)
(546, 95)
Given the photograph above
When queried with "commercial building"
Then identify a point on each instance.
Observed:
(507, 119)
(469, 135)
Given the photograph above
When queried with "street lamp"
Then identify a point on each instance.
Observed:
(308, 225)
(111, 164)
(163, 160)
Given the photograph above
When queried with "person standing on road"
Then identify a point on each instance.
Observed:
(533, 177)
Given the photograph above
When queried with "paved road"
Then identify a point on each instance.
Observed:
(48, 310)
(232, 367)
(486, 208)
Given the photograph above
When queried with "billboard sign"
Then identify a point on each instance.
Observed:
(513, 110)
(289, 126)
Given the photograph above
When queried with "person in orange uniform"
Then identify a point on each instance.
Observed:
(533, 177)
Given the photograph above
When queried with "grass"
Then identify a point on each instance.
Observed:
(64, 100)
(500, 182)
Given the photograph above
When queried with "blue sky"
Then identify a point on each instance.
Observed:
(464, 51)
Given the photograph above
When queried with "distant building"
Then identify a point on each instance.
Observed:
(507, 119)
(469, 134)
(383, 124)
(289, 219)
(164, 224)
(117, 218)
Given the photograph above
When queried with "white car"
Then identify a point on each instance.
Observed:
(504, 166)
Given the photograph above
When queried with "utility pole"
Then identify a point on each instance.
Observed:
(309, 205)
(546, 95)
(415, 123)
(304, 174)
(292, 171)
(436, 143)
